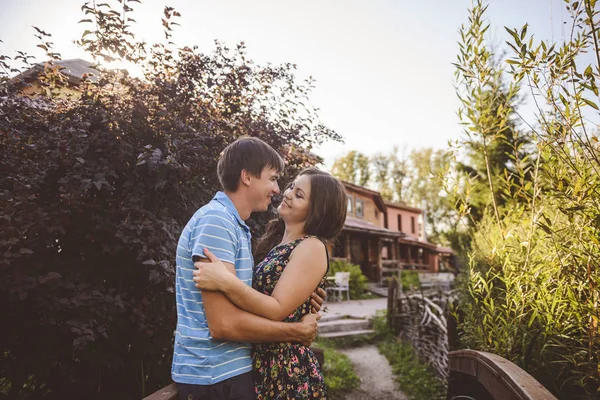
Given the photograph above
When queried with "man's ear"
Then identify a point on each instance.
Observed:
(245, 177)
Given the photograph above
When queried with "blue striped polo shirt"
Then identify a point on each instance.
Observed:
(198, 358)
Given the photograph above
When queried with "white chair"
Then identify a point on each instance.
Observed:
(342, 284)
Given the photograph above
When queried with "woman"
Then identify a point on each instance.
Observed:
(294, 263)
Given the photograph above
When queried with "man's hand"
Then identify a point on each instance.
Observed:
(309, 328)
(316, 300)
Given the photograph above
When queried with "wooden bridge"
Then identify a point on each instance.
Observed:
(473, 375)
(470, 375)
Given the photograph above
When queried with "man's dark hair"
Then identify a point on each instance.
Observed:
(249, 153)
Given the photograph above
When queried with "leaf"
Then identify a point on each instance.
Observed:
(545, 228)
(589, 103)
(524, 32)
(149, 262)
(41, 32)
(25, 251)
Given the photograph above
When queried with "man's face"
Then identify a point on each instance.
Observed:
(263, 189)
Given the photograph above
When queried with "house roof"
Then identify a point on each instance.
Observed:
(401, 206)
(372, 193)
(445, 250)
(432, 246)
(73, 69)
(359, 225)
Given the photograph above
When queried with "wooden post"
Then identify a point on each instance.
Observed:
(347, 245)
(378, 249)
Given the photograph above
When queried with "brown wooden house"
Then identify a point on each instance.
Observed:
(383, 237)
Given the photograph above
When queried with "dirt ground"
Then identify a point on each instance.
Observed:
(377, 380)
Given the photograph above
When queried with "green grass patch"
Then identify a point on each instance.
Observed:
(340, 377)
(367, 296)
(415, 378)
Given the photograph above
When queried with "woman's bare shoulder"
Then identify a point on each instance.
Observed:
(311, 249)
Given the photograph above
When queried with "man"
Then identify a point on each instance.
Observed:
(212, 357)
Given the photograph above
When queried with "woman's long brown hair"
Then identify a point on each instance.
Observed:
(326, 213)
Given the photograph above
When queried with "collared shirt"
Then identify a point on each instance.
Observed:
(198, 358)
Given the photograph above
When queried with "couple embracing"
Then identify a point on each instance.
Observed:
(245, 321)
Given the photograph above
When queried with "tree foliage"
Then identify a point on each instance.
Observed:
(532, 294)
(95, 189)
(417, 179)
(352, 167)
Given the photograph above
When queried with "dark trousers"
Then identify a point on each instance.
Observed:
(239, 387)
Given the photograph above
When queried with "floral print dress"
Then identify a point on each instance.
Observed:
(284, 370)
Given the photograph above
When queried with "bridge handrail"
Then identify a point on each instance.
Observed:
(500, 377)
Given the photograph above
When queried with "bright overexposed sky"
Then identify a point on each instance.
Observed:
(383, 68)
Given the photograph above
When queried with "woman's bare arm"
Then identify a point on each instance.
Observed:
(302, 274)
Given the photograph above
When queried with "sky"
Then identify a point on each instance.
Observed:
(383, 68)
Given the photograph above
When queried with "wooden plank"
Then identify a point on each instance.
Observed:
(166, 393)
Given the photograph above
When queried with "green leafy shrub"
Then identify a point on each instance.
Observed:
(358, 281)
(532, 291)
(410, 279)
(95, 190)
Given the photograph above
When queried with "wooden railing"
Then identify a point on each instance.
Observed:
(166, 393)
(424, 322)
(476, 375)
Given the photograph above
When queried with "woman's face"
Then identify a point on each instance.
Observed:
(294, 207)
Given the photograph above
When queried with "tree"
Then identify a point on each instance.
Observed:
(381, 165)
(398, 174)
(96, 188)
(428, 173)
(352, 167)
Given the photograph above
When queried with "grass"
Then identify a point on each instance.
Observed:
(340, 377)
(415, 378)
(367, 296)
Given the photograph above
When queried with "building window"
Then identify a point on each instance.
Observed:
(376, 214)
(350, 204)
(360, 208)
(400, 223)
(412, 224)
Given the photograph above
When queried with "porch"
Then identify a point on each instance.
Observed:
(381, 253)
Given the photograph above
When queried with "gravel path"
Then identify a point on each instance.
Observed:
(376, 378)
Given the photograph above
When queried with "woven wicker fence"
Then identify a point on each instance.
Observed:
(423, 319)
